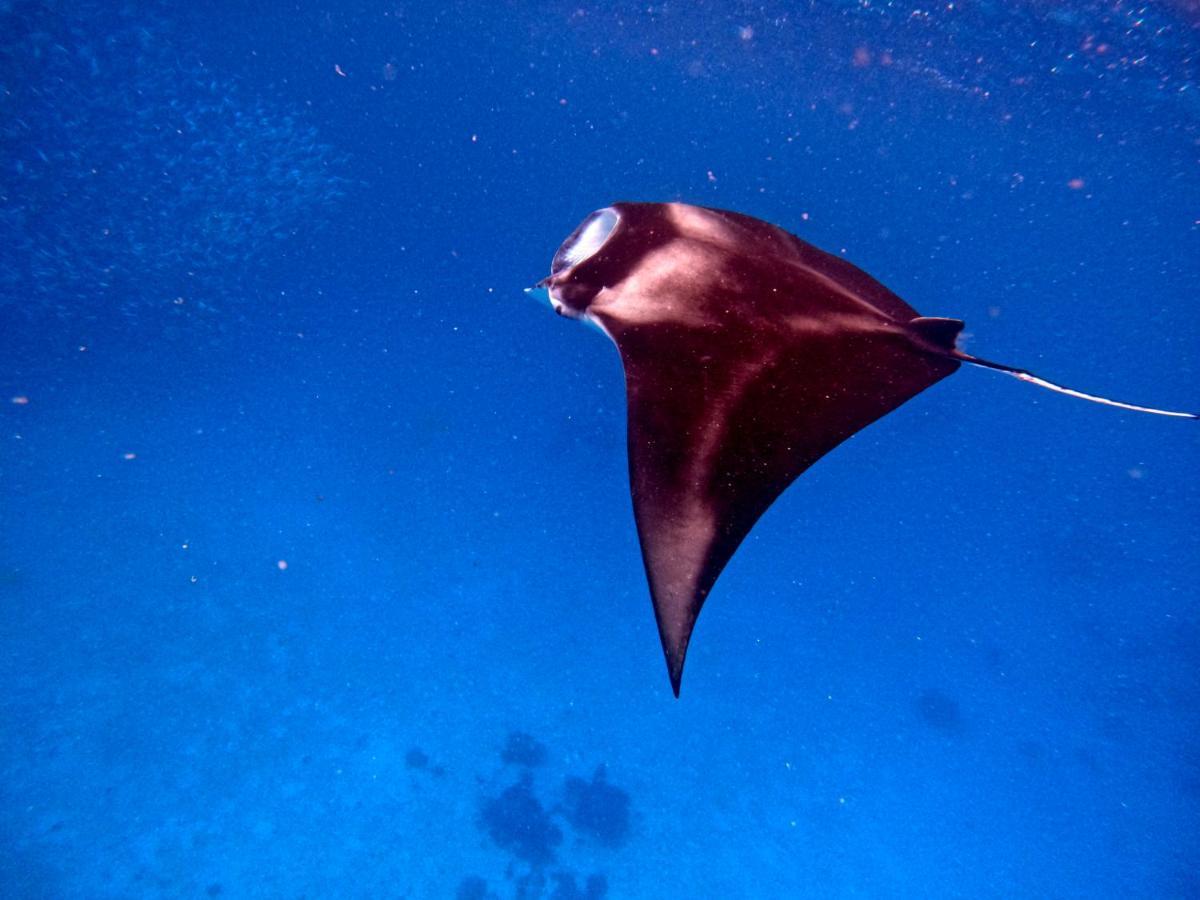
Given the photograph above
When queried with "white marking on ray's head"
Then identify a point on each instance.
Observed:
(699, 224)
(663, 286)
(589, 319)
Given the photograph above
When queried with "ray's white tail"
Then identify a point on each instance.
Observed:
(1030, 378)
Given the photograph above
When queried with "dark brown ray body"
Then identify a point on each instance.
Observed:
(749, 354)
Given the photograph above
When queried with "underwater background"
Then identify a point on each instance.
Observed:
(318, 575)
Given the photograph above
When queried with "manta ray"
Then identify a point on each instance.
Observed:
(748, 354)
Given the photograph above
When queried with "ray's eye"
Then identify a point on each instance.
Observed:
(585, 240)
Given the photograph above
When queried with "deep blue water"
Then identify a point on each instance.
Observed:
(318, 575)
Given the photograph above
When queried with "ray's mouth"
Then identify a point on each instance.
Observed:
(541, 293)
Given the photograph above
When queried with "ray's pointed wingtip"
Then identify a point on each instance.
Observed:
(675, 670)
(675, 673)
(674, 656)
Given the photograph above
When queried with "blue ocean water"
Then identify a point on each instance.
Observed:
(318, 575)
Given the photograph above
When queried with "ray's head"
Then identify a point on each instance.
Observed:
(635, 263)
(582, 266)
